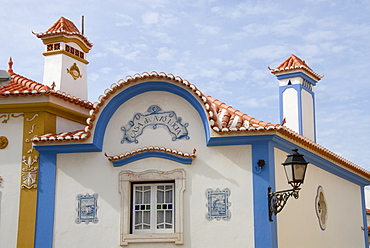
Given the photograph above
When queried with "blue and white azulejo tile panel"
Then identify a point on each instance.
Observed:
(87, 209)
(218, 204)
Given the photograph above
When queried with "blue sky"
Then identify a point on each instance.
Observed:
(223, 47)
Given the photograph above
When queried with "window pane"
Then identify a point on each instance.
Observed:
(147, 196)
(137, 195)
(168, 217)
(146, 218)
(169, 192)
(138, 220)
(160, 194)
(160, 219)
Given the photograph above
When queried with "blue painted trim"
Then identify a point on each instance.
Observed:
(238, 140)
(45, 200)
(265, 232)
(135, 90)
(47, 162)
(297, 74)
(319, 162)
(115, 103)
(287, 147)
(155, 154)
(71, 148)
(366, 236)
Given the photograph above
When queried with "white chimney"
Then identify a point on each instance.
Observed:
(296, 95)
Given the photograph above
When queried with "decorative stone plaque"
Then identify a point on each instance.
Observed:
(153, 118)
(3, 142)
(74, 71)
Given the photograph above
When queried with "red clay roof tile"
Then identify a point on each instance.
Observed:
(63, 24)
(66, 27)
(294, 63)
(22, 86)
(221, 119)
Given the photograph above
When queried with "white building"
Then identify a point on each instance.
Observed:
(160, 164)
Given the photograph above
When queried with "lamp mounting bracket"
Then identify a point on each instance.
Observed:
(277, 200)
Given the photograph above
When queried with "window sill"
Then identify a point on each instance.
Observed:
(176, 238)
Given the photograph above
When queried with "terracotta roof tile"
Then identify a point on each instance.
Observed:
(222, 119)
(22, 86)
(294, 63)
(65, 27)
(63, 24)
(152, 148)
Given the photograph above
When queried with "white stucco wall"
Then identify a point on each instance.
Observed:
(10, 171)
(214, 167)
(290, 108)
(298, 224)
(308, 122)
(65, 125)
(55, 70)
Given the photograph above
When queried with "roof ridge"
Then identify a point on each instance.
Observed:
(249, 124)
(23, 86)
(293, 62)
(66, 27)
(63, 24)
(231, 111)
(26, 82)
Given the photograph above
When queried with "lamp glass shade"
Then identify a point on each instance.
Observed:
(299, 172)
(289, 172)
(295, 168)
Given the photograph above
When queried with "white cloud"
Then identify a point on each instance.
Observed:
(244, 9)
(211, 30)
(130, 51)
(214, 88)
(165, 53)
(106, 70)
(97, 55)
(236, 75)
(93, 76)
(150, 18)
(125, 20)
(222, 47)
(201, 41)
(318, 36)
(209, 73)
(256, 29)
(163, 37)
(267, 53)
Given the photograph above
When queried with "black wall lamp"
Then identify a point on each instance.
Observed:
(295, 170)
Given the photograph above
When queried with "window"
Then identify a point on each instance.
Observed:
(152, 206)
(321, 208)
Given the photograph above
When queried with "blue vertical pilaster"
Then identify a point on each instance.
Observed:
(45, 200)
(265, 232)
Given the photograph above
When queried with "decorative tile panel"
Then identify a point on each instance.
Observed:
(87, 210)
(153, 118)
(218, 204)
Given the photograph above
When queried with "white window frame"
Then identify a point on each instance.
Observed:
(126, 178)
(153, 209)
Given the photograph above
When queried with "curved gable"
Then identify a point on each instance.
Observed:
(141, 88)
